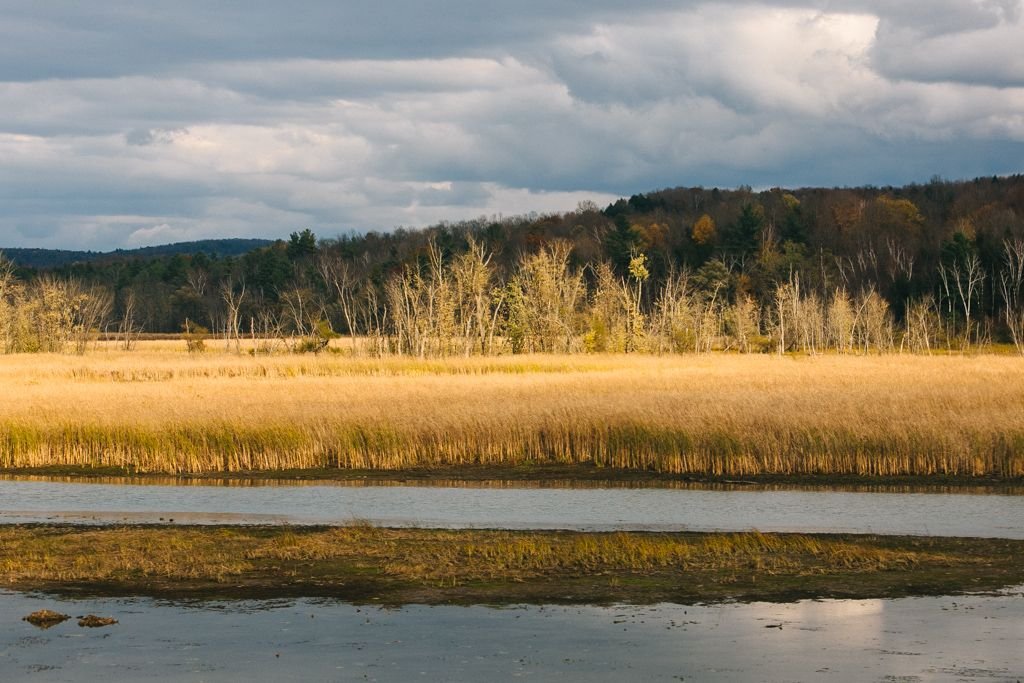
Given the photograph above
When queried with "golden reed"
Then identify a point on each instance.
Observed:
(160, 410)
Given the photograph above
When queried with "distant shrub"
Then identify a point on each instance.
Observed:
(195, 336)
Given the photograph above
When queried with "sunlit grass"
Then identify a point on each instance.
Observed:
(161, 410)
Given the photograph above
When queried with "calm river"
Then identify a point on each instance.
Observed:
(591, 509)
(960, 638)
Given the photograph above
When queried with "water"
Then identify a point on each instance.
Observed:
(941, 514)
(910, 639)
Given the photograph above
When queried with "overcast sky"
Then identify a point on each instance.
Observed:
(128, 122)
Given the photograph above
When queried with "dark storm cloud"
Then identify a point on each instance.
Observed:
(116, 37)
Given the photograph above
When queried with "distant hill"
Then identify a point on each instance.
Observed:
(55, 258)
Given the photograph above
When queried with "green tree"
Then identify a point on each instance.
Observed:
(712, 279)
(622, 243)
(301, 245)
(794, 222)
(744, 236)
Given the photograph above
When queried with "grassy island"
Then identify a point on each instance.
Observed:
(396, 566)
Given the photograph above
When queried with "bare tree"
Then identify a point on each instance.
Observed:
(801, 321)
(404, 296)
(962, 282)
(841, 320)
(474, 280)
(611, 307)
(339, 275)
(306, 315)
(199, 287)
(784, 295)
(372, 316)
(742, 323)
(11, 294)
(233, 296)
(91, 307)
(922, 325)
(548, 295)
(1011, 285)
(268, 331)
(874, 325)
(901, 262)
(128, 331)
(672, 322)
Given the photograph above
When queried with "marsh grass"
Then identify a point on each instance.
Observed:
(724, 415)
(500, 555)
(420, 556)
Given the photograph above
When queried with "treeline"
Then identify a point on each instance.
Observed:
(44, 259)
(916, 268)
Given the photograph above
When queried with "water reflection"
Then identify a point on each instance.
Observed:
(378, 481)
(947, 638)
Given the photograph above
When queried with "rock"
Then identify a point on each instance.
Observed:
(93, 621)
(45, 618)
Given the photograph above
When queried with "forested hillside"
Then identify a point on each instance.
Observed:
(55, 258)
(937, 265)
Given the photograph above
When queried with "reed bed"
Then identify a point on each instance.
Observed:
(163, 411)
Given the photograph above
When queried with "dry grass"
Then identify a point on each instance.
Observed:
(159, 410)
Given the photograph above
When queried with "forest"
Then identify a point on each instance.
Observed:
(920, 268)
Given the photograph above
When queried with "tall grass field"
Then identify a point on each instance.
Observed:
(159, 409)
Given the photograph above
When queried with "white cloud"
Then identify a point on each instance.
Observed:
(157, 234)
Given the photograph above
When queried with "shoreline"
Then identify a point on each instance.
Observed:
(364, 564)
(531, 475)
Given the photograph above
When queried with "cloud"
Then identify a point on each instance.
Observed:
(152, 136)
(984, 51)
(947, 17)
(132, 123)
(156, 234)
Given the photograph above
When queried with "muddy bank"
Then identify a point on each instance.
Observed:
(410, 566)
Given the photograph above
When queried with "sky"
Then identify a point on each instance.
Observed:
(128, 123)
